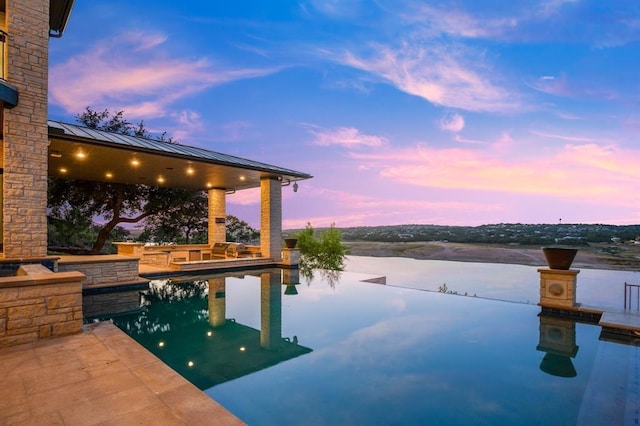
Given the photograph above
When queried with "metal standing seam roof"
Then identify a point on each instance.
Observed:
(86, 134)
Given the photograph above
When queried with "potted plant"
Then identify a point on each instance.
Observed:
(559, 257)
(290, 242)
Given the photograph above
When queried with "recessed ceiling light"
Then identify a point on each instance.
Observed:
(135, 162)
(161, 179)
(209, 184)
(242, 178)
(81, 155)
(108, 175)
(190, 171)
(63, 170)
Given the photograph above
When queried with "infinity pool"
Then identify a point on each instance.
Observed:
(349, 352)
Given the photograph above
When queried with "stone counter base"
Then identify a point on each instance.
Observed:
(39, 304)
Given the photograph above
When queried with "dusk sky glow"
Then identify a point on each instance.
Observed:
(425, 112)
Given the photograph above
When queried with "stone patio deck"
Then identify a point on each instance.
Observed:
(100, 376)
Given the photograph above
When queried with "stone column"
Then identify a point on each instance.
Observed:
(24, 189)
(217, 301)
(270, 310)
(558, 288)
(271, 218)
(217, 216)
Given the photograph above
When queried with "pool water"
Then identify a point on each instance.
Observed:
(516, 283)
(349, 352)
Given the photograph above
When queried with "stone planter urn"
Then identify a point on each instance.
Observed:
(290, 242)
(559, 257)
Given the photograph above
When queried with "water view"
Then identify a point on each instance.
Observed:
(343, 351)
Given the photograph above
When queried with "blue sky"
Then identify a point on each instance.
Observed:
(451, 113)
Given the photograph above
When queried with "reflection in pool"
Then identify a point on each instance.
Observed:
(361, 353)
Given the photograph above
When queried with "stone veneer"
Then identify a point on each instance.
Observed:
(558, 288)
(103, 270)
(271, 218)
(39, 304)
(25, 141)
(217, 216)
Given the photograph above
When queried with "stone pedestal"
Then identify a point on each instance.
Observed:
(558, 288)
(290, 257)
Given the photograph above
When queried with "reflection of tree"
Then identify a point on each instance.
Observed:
(331, 276)
(168, 302)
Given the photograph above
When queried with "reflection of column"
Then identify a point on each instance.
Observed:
(217, 301)
(270, 310)
(290, 278)
(558, 340)
(217, 216)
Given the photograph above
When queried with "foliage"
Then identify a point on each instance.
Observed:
(239, 231)
(181, 221)
(325, 251)
(75, 233)
(500, 233)
(114, 202)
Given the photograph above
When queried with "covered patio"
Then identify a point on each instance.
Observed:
(78, 152)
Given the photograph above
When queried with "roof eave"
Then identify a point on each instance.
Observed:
(59, 12)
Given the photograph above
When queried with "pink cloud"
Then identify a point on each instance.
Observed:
(457, 22)
(451, 76)
(567, 138)
(345, 136)
(574, 172)
(132, 72)
(452, 122)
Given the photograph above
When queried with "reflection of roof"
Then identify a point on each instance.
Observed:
(217, 358)
(112, 152)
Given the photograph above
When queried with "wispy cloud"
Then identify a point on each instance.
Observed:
(567, 138)
(344, 136)
(435, 21)
(357, 209)
(133, 72)
(452, 122)
(451, 76)
(607, 173)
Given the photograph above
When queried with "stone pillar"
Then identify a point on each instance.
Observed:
(271, 218)
(558, 288)
(217, 301)
(270, 310)
(24, 190)
(290, 257)
(217, 216)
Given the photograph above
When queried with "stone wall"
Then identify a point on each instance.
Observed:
(102, 270)
(40, 306)
(25, 140)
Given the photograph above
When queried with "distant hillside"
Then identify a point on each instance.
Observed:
(503, 233)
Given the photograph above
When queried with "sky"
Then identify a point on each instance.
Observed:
(404, 111)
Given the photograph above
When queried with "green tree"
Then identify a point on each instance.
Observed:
(324, 251)
(181, 221)
(239, 231)
(116, 203)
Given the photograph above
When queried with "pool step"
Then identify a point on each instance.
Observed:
(621, 322)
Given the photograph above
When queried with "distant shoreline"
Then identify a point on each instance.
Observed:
(596, 256)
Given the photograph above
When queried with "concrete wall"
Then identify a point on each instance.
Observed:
(25, 141)
(40, 306)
